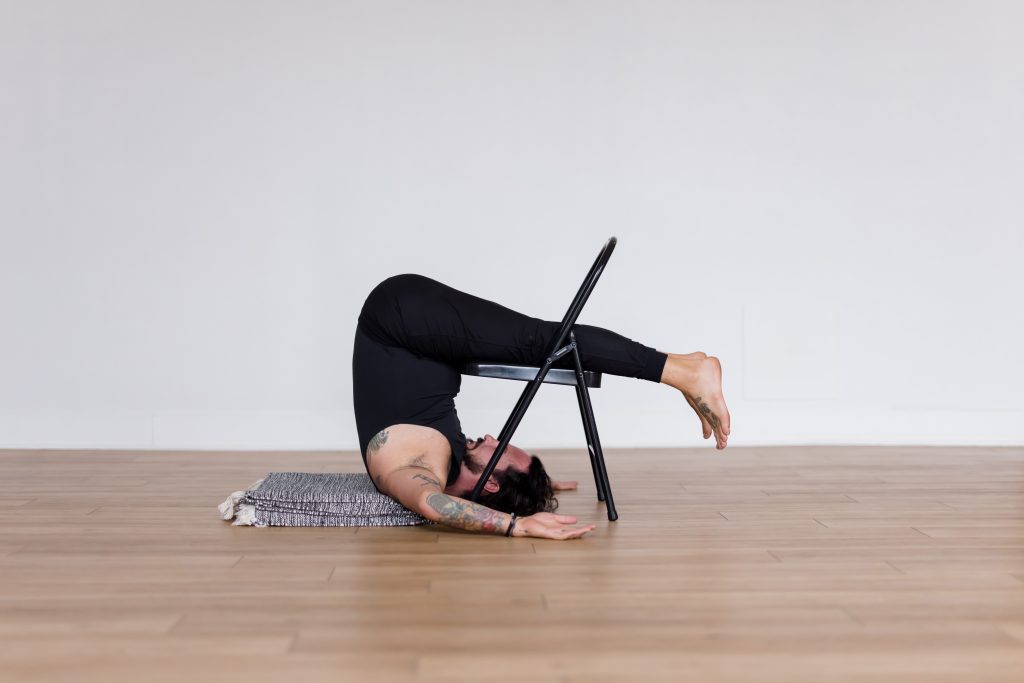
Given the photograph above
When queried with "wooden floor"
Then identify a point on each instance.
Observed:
(783, 564)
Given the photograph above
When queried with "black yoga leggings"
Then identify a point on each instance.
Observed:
(414, 333)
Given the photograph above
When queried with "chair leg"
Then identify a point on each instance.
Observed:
(599, 458)
(513, 420)
(588, 413)
(590, 445)
(505, 436)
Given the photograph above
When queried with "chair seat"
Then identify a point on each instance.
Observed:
(526, 373)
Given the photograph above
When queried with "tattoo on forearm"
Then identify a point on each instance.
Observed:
(427, 481)
(464, 514)
(378, 440)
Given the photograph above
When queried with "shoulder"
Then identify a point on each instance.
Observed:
(405, 446)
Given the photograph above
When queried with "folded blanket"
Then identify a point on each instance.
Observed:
(307, 499)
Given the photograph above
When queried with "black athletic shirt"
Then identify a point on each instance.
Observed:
(392, 385)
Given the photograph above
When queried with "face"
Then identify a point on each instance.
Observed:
(478, 454)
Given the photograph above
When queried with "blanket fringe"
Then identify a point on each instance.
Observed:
(232, 508)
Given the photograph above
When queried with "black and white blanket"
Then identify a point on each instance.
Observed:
(309, 499)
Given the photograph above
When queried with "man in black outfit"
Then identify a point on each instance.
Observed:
(413, 335)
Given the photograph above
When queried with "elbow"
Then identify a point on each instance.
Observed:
(430, 505)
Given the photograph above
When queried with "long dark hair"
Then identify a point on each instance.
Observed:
(524, 493)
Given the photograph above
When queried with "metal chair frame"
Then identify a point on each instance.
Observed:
(565, 343)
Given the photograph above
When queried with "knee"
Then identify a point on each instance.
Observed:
(394, 287)
(383, 300)
(404, 281)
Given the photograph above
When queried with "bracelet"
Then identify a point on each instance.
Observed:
(511, 525)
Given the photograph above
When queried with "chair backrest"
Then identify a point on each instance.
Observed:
(584, 293)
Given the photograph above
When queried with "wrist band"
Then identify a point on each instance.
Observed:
(511, 525)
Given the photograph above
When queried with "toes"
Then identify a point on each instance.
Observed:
(718, 424)
(705, 426)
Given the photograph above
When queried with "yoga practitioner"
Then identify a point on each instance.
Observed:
(413, 335)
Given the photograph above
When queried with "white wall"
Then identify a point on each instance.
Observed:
(197, 196)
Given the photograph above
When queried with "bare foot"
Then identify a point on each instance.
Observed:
(700, 381)
(705, 425)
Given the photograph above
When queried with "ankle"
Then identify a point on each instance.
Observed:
(680, 372)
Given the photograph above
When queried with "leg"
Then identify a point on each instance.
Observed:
(440, 322)
(443, 323)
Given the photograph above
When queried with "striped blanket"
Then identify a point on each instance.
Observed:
(308, 499)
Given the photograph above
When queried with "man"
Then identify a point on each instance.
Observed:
(413, 335)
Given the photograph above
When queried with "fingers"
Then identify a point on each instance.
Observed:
(553, 520)
(576, 533)
(564, 533)
(556, 527)
(564, 485)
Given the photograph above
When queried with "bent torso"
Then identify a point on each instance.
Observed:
(405, 445)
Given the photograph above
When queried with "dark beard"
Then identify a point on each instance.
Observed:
(472, 465)
(468, 461)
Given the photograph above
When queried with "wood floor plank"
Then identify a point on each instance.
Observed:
(972, 662)
(790, 564)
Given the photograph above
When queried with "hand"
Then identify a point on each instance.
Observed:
(550, 525)
(564, 485)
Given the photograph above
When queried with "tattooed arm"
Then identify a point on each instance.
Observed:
(420, 490)
(409, 463)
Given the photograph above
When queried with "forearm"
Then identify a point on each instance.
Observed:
(464, 514)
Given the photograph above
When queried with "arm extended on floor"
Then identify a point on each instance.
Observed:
(418, 489)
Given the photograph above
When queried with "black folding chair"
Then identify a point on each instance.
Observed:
(582, 379)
